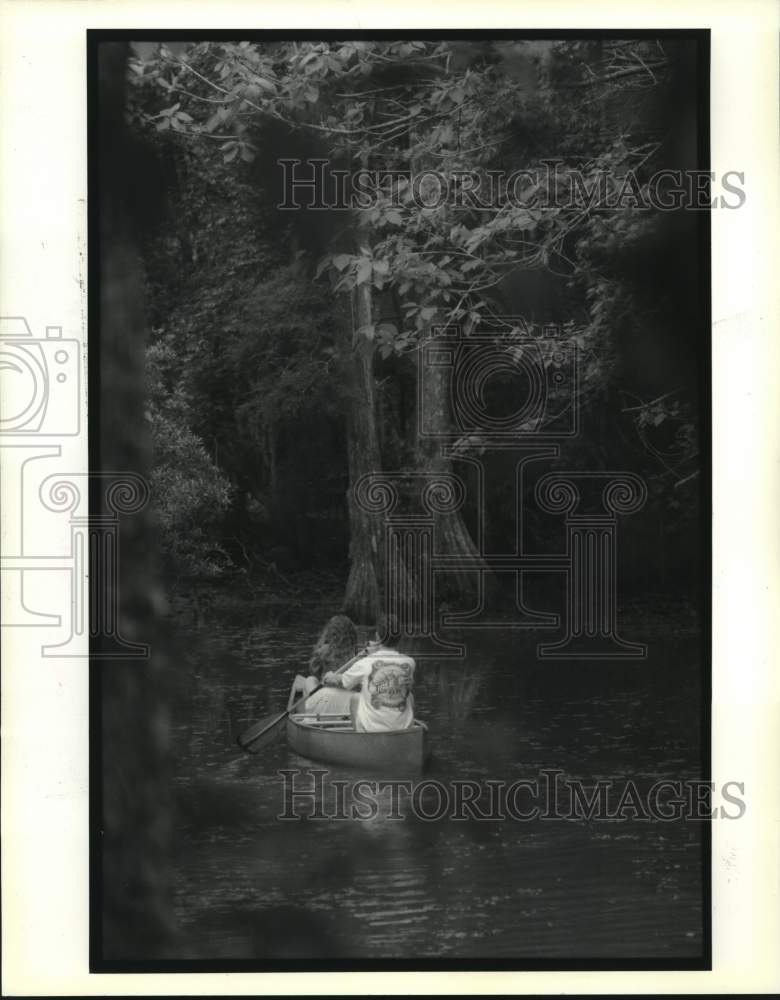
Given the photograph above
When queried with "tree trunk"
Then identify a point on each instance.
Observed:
(451, 537)
(363, 594)
(133, 844)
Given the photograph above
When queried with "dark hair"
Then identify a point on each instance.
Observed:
(388, 630)
(335, 645)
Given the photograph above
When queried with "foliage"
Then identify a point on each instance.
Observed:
(284, 363)
(190, 494)
(422, 106)
(409, 107)
(255, 338)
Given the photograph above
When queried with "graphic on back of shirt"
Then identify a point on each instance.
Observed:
(389, 684)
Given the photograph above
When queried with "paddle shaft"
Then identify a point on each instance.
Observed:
(246, 739)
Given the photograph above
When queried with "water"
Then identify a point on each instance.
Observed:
(249, 885)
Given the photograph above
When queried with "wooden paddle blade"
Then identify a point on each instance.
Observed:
(266, 725)
(250, 737)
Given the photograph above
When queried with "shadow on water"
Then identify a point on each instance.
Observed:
(252, 885)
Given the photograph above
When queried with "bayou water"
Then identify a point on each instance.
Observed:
(249, 885)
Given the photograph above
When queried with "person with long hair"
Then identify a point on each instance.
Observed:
(336, 645)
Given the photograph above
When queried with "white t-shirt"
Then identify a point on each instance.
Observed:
(385, 678)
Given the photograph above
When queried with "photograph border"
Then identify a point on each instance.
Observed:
(99, 964)
(45, 823)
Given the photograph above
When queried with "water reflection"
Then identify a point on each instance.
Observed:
(251, 886)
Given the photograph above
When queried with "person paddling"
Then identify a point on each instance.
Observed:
(336, 645)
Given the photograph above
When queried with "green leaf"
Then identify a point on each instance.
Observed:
(341, 260)
(394, 218)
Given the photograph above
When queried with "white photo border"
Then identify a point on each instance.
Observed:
(43, 215)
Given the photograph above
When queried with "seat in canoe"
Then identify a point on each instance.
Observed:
(331, 739)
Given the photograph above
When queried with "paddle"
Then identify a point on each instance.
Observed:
(270, 722)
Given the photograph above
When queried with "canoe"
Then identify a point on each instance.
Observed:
(331, 739)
